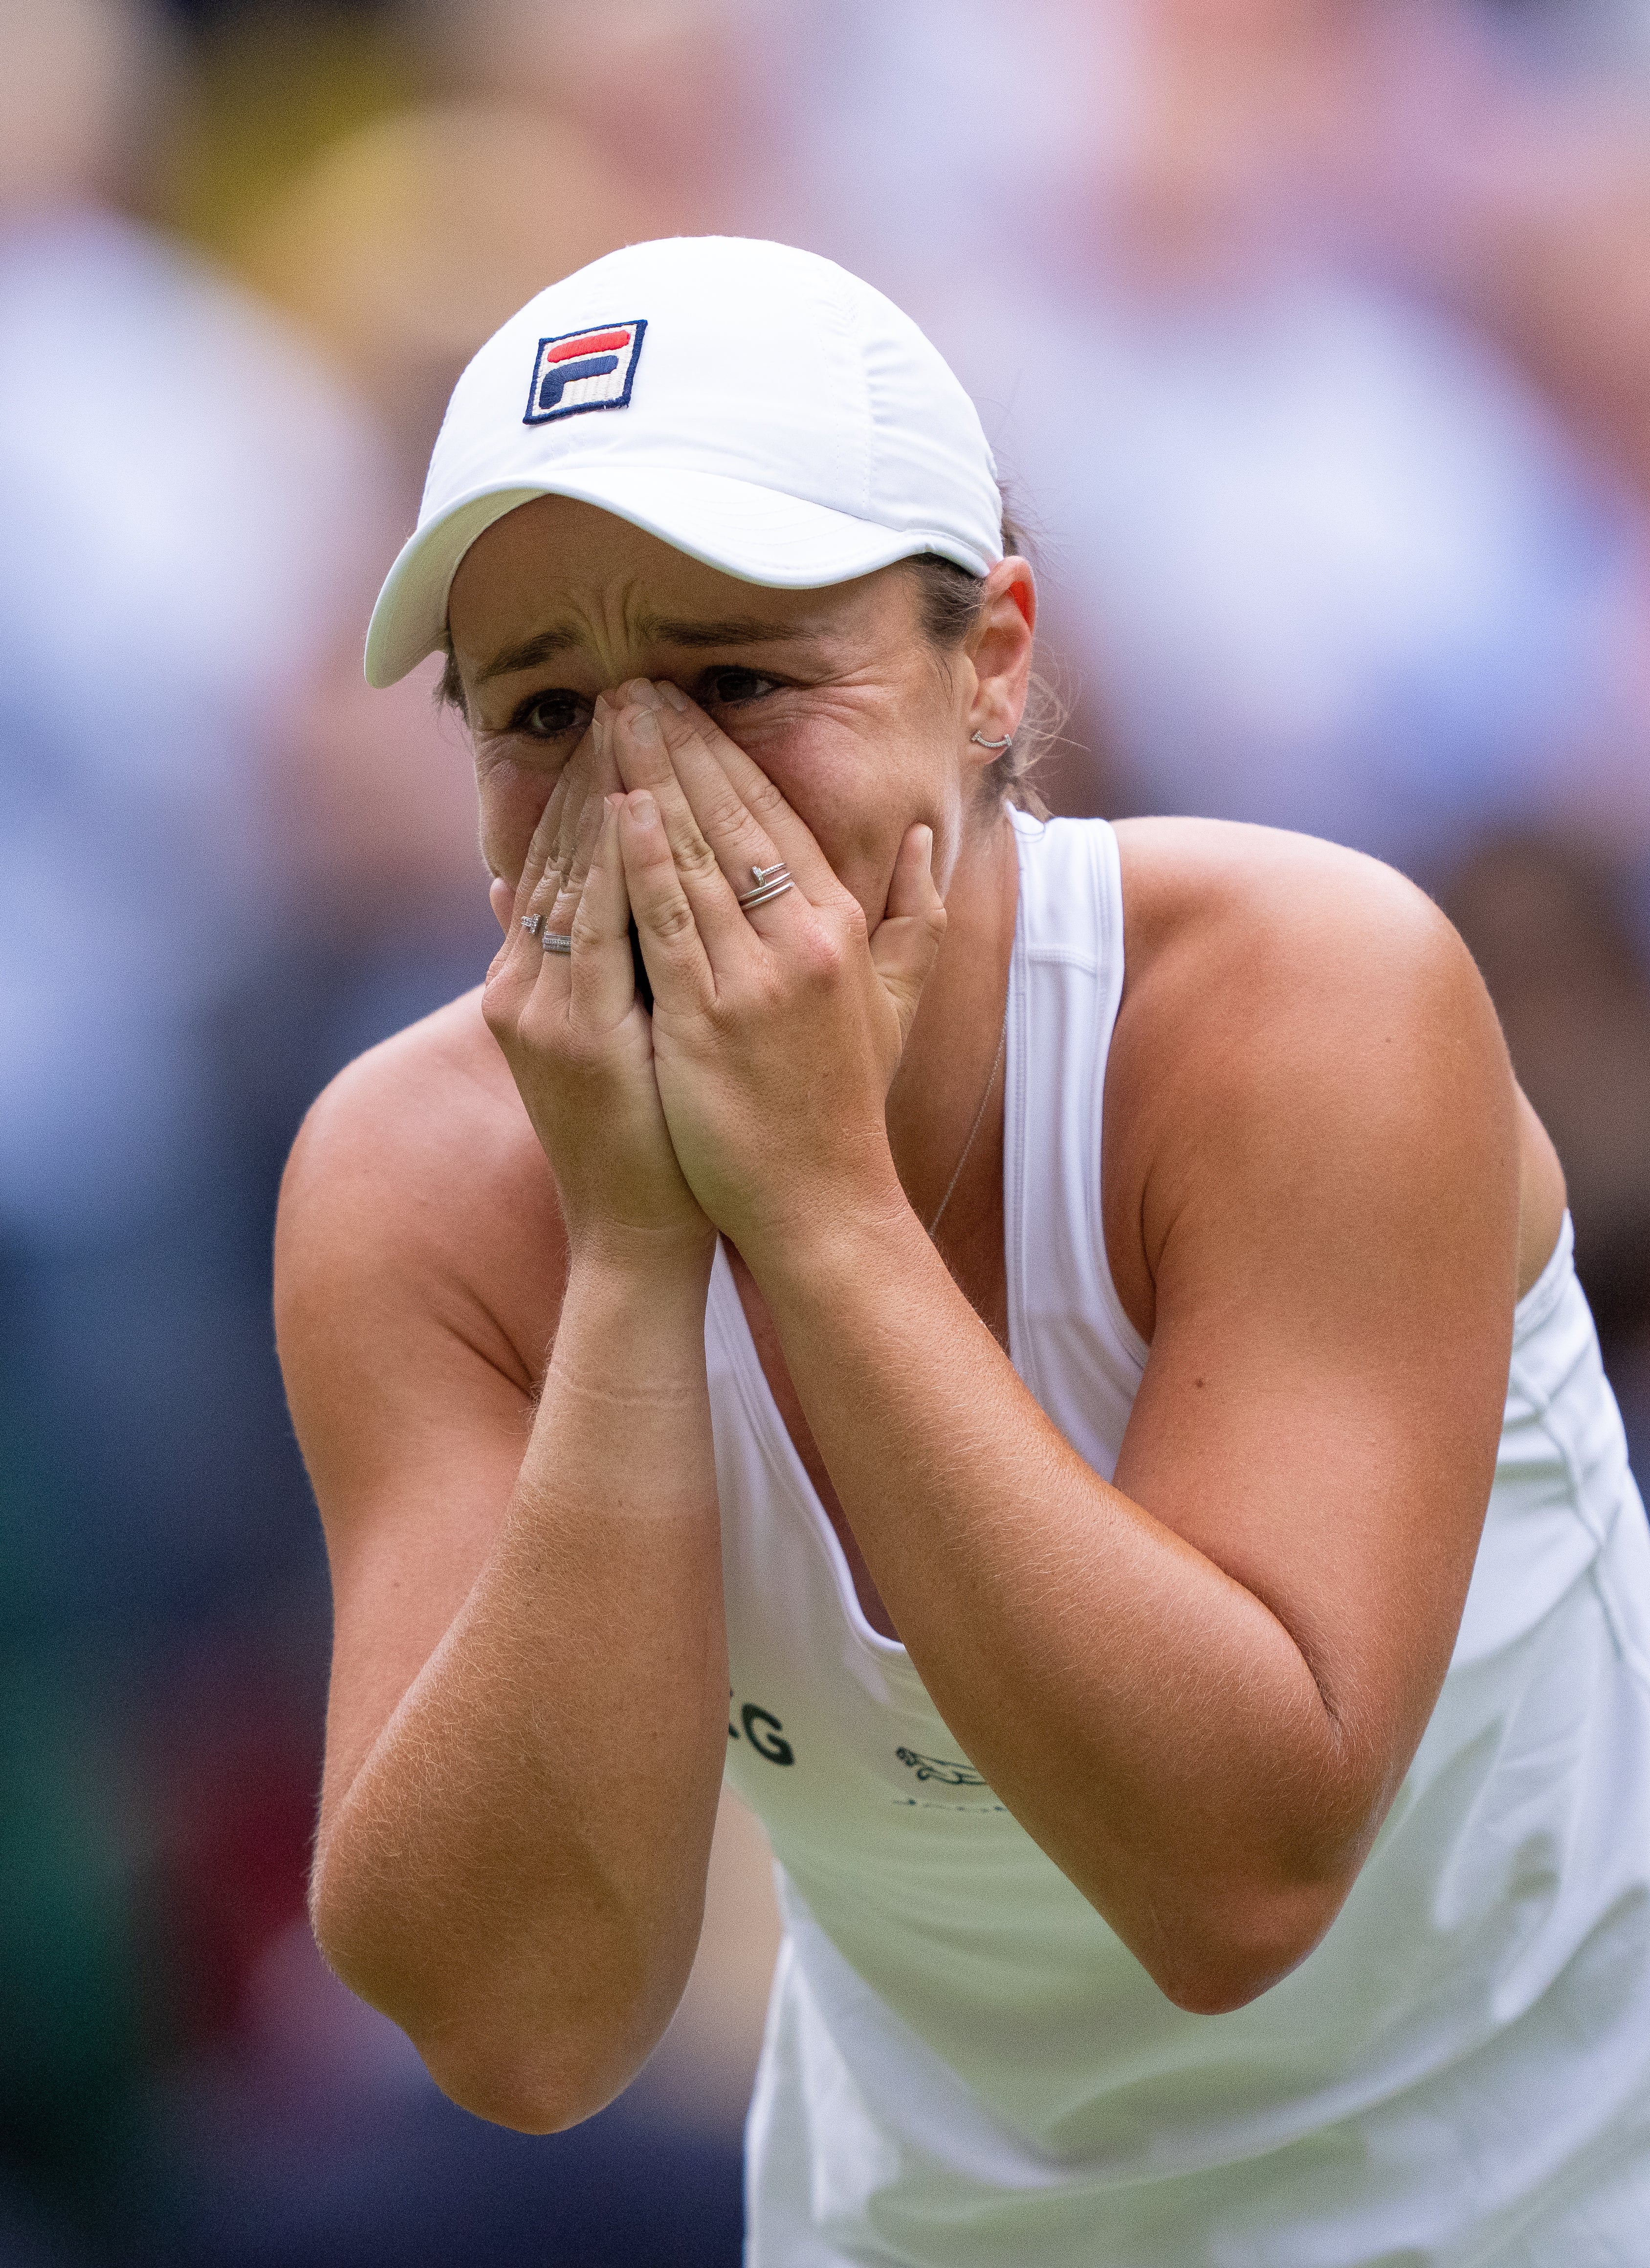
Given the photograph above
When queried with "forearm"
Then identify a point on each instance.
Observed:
(516, 1871)
(1143, 1715)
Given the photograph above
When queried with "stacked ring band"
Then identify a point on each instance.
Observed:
(553, 942)
(770, 882)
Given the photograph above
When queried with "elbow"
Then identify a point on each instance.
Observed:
(537, 2089)
(488, 2088)
(1228, 1959)
(523, 2060)
(534, 2074)
(1218, 1989)
(535, 2077)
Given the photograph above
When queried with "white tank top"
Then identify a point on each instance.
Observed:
(964, 2066)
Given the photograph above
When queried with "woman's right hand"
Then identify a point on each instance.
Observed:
(579, 1043)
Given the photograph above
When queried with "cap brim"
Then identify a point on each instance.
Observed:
(753, 533)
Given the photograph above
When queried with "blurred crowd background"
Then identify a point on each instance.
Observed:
(1314, 340)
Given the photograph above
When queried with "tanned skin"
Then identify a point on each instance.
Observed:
(1198, 1687)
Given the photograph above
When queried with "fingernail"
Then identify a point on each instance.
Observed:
(643, 810)
(644, 693)
(599, 730)
(645, 727)
(674, 694)
(927, 835)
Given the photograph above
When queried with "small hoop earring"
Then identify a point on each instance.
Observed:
(1007, 740)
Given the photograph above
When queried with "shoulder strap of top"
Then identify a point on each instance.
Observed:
(1068, 1335)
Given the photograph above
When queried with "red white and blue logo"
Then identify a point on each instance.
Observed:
(584, 369)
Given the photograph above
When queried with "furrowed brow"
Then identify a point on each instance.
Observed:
(528, 654)
(656, 629)
(733, 629)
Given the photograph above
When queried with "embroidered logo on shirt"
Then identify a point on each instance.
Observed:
(939, 1768)
(584, 369)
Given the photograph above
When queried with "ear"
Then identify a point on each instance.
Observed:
(999, 647)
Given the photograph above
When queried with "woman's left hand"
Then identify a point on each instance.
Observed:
(776, 1032)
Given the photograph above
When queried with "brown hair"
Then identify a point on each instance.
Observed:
(450, 684)
(949, 610)
(949, 607)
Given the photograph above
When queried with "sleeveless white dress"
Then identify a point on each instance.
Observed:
(965, 2067)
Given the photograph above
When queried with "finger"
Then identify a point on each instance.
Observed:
(677, 967)
(523, 959)
(643, 762)
(563, 891)
(551, 849)
(541, 847)
(591, 777)
(521, 914)
(601, 970)
(906, 941)
(742, 844)
(793, 840)
(567, 788)
(502, 899)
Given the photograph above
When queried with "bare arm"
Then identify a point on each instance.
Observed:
(528, 1719)
(1197, 1689)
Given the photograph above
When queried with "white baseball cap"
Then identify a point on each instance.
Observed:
(760, 409)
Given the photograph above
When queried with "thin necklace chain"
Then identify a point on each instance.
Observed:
(997, 1060)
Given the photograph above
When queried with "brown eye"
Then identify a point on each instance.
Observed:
(729, 688)
(548, 715)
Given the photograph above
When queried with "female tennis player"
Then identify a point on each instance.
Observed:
(1048, 1352)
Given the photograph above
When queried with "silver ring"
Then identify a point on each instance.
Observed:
(553, 942)
(770, 882)
(534, 923)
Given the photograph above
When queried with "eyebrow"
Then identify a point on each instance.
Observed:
(655, 629)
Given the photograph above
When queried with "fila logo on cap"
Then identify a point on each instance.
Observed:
(584, 369)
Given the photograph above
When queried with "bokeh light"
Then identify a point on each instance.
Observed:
(1314, 339)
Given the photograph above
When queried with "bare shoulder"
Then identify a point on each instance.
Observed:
(1196, 891)
(419, 1265)
(416, 1194)
(1296, 1017)
(1255, 956)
